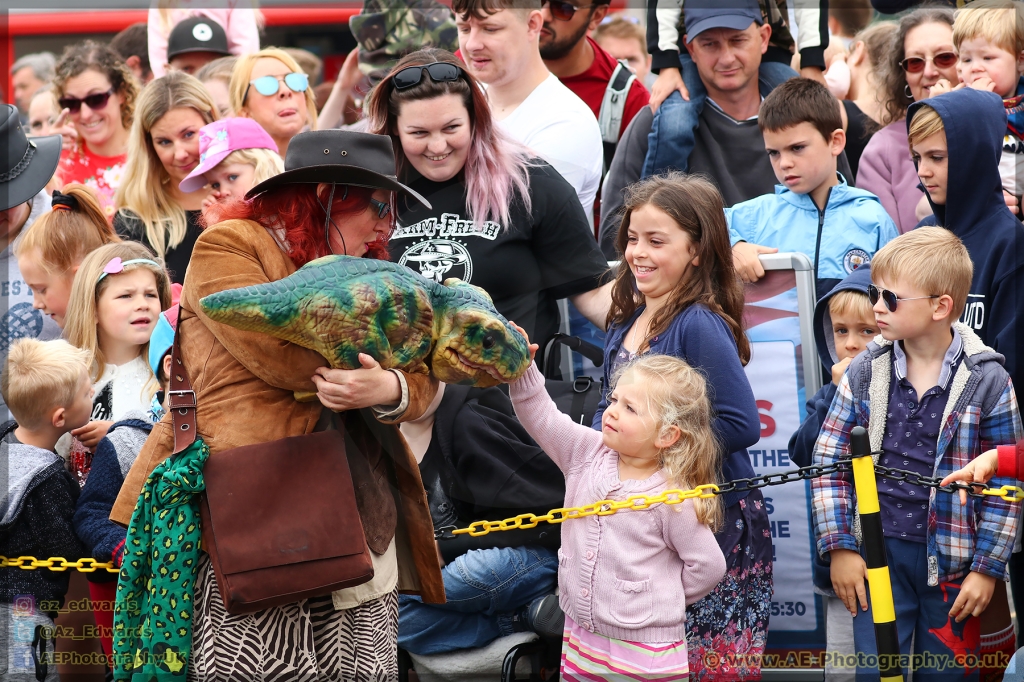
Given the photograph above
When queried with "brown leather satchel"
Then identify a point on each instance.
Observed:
(279, 519)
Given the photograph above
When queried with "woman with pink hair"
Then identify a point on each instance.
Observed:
(502, 219)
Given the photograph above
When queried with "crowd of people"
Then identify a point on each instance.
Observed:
(519, 146)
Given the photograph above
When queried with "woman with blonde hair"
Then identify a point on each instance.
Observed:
(271, 88)
(163, 150)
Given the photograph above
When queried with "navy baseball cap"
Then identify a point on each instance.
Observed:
(702, 15)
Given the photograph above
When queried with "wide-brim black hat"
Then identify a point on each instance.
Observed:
(28, 164)
(339, 156)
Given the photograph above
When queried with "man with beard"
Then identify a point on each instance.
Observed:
(499, 41)
(587, 69)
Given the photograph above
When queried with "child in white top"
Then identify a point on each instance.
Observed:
(117, 296)
(625, 579)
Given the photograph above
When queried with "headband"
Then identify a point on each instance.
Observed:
(63, 202)
(115, 266)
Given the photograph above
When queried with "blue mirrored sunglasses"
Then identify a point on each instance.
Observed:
(268, 86)
(382, 208)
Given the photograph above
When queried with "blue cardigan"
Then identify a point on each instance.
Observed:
(702, 339)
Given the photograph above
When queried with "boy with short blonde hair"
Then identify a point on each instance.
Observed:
(932, 397)
(47, 388)
(989, 38)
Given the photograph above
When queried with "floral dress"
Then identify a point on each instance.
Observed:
(101, 173)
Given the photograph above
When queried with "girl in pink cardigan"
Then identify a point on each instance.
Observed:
(625, 579)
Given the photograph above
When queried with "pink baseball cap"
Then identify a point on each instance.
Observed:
(218, 139)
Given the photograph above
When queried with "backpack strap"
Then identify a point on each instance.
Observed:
(613, 106)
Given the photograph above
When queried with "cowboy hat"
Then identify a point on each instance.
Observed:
(27, 165)
(341, 157)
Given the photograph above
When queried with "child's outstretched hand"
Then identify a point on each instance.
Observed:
(532, 346)
(92, 433)
(981, 469)
(849, 571)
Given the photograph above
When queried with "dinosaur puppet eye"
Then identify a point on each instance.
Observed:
(488, 342)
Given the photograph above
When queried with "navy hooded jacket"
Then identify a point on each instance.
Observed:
(801, 445)
(975, 211)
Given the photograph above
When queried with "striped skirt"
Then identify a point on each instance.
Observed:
(588, 657)
(308, 641)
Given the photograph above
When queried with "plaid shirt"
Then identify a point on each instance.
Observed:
(981, 413)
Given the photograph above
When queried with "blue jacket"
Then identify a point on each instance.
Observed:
(104, 539)
(853, 226)
(801, 445)
(702, 339)
(975, 211)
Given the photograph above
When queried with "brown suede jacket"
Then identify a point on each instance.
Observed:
(244, 384)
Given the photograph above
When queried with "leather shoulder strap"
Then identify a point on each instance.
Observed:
(181, 399)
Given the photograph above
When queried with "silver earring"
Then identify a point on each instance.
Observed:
(907, 92)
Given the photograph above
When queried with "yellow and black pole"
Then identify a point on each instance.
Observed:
(887, 641)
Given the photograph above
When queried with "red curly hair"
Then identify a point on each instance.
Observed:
(298, 208)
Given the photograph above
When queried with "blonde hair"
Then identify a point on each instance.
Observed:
(218, 69)
(677, 395)
(1000, 22)
(144, 189)
(242, 74)
(926, 123)
(620, 28)
(267, 162)
(850, 301)
(64, 236)
(931, 258)
(40, 376)
(80, 325)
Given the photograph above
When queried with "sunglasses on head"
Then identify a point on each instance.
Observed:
(944, 60)
(268, 86)
(383, 209)
(563, 11)
(890, 298)
(94, 102)
(440, 72)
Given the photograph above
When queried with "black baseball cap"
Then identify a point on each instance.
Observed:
(197, 34)
(702, 15)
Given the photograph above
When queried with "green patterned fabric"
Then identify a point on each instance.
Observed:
(153, 611)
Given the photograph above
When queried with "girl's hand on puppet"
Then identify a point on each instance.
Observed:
(354, 389)
(532, 346)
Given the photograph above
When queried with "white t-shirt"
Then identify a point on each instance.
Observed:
(561, 129)
(122, 389)
(1011, 165)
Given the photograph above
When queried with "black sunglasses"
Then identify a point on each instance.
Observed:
(440, 72)
(383, 209)
(94, 102)
(943, 60)
(890, 298)
(563, 11)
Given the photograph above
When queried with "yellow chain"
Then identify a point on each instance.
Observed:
(56, 563)
(1010, 493)
(601, 508)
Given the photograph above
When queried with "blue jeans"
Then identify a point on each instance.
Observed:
(671, 139)
(483, 588)
(922, 614)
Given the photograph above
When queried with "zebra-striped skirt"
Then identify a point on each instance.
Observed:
(308, 641)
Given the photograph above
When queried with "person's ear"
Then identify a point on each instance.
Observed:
(838, 142)
(59, 418)
(943, 307)
(1020, 63)
(600, 12)
(668, 437)
(765, 32)
(166, 366)
(134, 65)
(858, 52)
(534, 23)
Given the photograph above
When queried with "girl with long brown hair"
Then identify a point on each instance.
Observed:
(677, 294)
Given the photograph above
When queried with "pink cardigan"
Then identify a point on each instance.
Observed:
(239, 24)
(887, 171)
(630, 575)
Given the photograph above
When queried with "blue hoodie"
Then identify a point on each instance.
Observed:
(975, 211)
(853, 226)
(801, 445)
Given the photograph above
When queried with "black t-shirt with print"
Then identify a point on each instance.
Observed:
(545, 255)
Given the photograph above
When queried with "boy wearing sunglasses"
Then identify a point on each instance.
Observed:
(932, 397)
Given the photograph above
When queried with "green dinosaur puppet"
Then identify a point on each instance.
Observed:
(341, 306)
